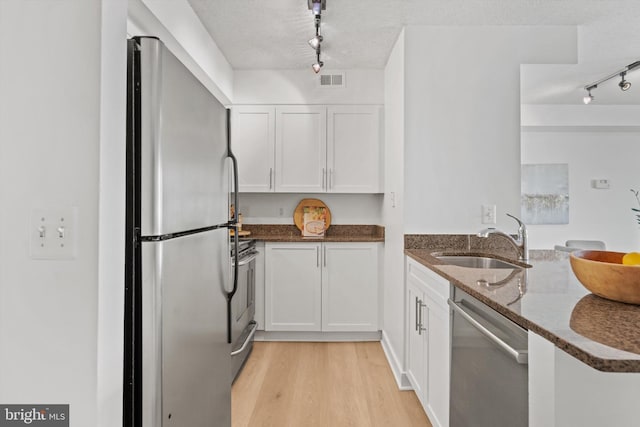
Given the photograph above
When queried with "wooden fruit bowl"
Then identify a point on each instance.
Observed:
(603, 273)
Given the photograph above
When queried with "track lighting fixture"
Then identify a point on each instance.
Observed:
(624, 84)
(317, 6)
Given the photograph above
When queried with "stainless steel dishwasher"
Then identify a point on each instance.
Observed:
(489, 371)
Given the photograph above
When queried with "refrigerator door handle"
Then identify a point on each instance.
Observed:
(234, 220)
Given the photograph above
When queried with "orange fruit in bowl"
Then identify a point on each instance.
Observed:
(632, 258)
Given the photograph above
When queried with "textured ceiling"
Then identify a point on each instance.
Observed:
(273, 34)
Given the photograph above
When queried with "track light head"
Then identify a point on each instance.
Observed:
(316, 67)
(315, 42)
(588, 98)
(624, 85)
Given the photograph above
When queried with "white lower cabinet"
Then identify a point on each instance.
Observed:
(428, 340)
(330, 287)
(293, 293)
(259, 282)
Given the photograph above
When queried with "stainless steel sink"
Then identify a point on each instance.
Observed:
(471, 261)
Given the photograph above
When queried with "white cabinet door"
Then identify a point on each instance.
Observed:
(416, 359)
(354, 149)
(438, 361)
(259, 280)
(301, 149)
(293, 287)
(350, 287)
(253, 143)
(428, 340)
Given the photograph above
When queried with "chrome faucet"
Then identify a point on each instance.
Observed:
(521, 242)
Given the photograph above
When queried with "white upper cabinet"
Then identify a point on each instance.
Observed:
(308, 149)
(301, 145)
(353, 149)
(253, 135)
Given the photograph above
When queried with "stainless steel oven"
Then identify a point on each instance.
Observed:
(489, 372)
(242, 307)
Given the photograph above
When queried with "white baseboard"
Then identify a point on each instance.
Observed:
(396, 366)
(316, 336)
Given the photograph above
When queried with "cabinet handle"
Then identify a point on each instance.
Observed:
(417, 308)
(330, 179)
(420, 325)
(318, 257)
(325, 256)
(270, 178)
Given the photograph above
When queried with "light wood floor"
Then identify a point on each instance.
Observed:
(295, 384)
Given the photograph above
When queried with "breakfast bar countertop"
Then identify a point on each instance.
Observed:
(548, 300)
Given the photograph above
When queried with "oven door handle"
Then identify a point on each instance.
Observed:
(521, 356)
(247, 260)
(247, 341)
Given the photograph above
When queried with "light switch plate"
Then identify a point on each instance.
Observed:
(53, 232)
(488, 214)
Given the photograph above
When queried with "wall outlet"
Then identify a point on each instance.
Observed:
(600, 184)
(488, 214)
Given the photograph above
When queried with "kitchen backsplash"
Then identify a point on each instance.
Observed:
(493, 244)
(277, 208)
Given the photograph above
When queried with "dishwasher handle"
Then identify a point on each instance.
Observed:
(520, 356)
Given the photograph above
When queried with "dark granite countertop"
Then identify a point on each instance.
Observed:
(548, 300)
(335, 233)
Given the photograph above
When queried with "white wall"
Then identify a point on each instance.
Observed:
(462, 120)
(51, 143)
(593, 214)
(301, 87)
(111, 221)
(393, 211)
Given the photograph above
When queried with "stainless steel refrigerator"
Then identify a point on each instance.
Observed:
(177, 355)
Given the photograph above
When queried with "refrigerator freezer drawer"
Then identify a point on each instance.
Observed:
(186, 377)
